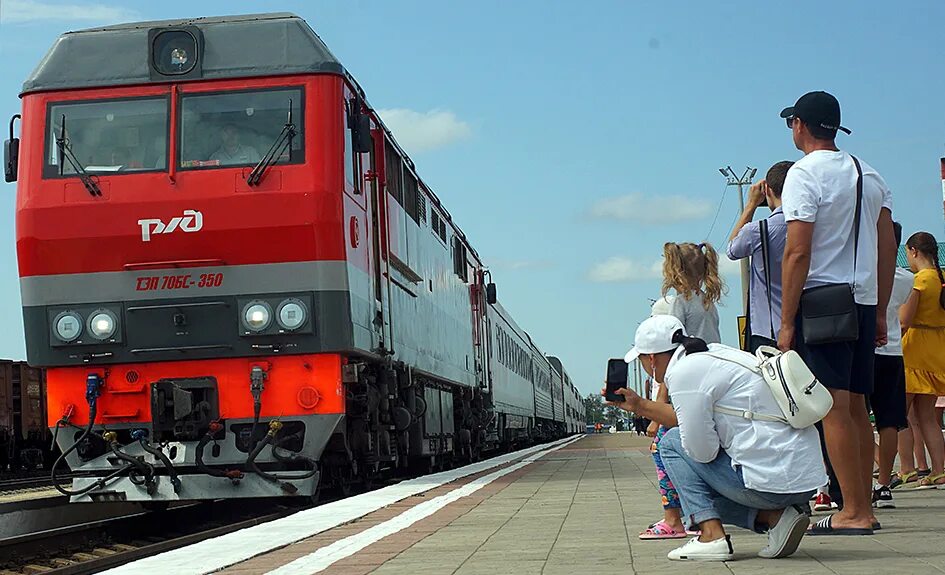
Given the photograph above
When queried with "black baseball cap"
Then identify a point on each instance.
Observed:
(817, 109)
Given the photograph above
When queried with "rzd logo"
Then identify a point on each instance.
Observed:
(191, 221)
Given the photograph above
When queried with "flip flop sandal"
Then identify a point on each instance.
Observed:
(929, 482)
(899, 479)
(660, 530)
(825, 527)
(877, 526)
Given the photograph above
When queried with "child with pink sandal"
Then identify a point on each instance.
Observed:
(692, 271)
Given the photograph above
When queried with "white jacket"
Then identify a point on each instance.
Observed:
(774, 457)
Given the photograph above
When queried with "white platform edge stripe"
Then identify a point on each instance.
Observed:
(325, 557)
(221, 552)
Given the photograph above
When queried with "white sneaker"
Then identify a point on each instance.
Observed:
(785, 536)
(695, 550)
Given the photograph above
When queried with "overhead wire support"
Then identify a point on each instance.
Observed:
(732, 179)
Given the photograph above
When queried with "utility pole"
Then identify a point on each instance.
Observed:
(745, 180)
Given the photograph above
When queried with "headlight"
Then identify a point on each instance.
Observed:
(257, 316)
(291, 314)
(103, 324)
(68, 326)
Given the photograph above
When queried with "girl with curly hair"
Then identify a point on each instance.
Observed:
(692, 271)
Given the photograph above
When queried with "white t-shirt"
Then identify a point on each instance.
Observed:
(821, 188)
(902, 287)
(698, 321)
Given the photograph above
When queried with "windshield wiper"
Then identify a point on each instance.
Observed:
(283, 142)
(65, 153)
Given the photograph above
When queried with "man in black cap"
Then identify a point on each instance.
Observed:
(826, 247)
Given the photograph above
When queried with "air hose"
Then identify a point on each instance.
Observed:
(233, 475)
(293, 457)
(282, 480)
(93, 388)
(257, 380)
(141, 473)
(142, 436)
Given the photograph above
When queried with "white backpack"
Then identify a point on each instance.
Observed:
(803, 400)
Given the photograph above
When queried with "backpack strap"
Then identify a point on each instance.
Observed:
(751, 364)
(749, 415)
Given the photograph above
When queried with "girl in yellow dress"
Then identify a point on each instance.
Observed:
(923, 348)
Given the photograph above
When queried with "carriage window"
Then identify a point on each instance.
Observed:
(239, 128)
(108, 136)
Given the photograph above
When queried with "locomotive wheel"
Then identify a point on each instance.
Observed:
(316, 496)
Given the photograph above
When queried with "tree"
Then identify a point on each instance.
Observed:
(615, 416)
(594, 408)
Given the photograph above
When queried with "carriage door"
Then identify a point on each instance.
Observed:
(481, 330)
(379, 264)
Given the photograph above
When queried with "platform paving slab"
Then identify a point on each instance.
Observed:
(580, 509)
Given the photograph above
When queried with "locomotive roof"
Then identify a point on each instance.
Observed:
(234, 47)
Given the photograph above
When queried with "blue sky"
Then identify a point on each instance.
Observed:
(570, 140)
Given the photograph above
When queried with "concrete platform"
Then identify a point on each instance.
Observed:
(579, 509)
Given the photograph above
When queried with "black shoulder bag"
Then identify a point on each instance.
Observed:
(829, 313)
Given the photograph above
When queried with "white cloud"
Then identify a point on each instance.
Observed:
(651, 210)
(18, 11)
(729, 268)
(621, 269)
(420, 131)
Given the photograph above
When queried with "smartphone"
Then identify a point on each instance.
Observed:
(617, 374)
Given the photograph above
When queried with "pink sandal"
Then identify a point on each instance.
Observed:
(660, 530)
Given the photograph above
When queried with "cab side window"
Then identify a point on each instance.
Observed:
(350, 159)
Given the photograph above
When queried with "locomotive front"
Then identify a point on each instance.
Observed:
(184, 255)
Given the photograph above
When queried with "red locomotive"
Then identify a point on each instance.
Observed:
(237, 281)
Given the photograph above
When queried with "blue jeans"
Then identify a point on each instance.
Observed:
(715, 490)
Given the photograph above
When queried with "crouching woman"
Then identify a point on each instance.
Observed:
(729, 469)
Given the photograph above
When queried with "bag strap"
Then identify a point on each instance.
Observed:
(766, 261)
(856, 215)
(749, 364)
(749, 415)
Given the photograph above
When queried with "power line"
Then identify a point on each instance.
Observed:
(717, 212)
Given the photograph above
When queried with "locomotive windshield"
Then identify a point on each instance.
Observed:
(109, 135)
(237, 128)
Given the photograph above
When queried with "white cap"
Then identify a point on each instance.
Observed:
(663, 305)
(655, 335)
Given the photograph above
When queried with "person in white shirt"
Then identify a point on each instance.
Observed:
(888, 400)
(819, 200)
(728, 469)
(231, 152)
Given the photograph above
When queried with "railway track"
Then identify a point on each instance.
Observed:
(10, 484)
(94, 546)
(97, 545)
